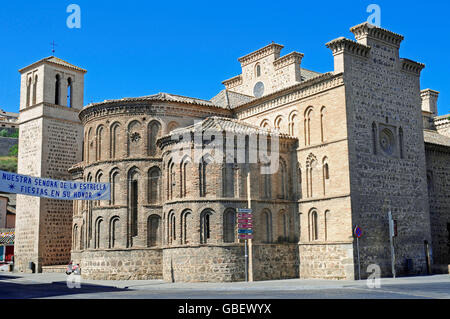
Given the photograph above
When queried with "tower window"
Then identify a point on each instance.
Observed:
(258, 70)
(69, 92)
(57, 89)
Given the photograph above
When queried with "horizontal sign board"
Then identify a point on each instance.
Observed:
(244, 220)
(245, 226)
(55, 189)
(244, 210)
(245, 215)
(242, 236)
(245, 231)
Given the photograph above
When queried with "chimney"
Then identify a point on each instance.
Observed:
(429, 101)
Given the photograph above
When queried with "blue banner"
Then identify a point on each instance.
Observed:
(49, 188)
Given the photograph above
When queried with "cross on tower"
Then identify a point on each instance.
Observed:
(53, 46)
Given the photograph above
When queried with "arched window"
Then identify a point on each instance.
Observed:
(307, 125)
(202, 173)
(99, 144)
(279, 124)
(229, 226)
(69, 92)
(114, 231)
(266, 226)
(265, 124)
(89, 145)
(228, 179)
(205, 226)
(133, 198)
(57, 89)
(171, 181)
(325, 174)
(326, 222)
(171, 126)
(171, 231)
(283, 180)
(322, 123)
(293, 124)
(400, 140)
(28, 101)
(114, 180)
(114, 139)
(35, 90)
(374, 138)
(154, 185)
(185, 221)
(311, 163)
(185, 171)
(154, 129)
(299, 180)
(283, 226)
(267, 185)
(314, 228)
(98, 233)
(153, 231)
(258, 70)
(98, 179)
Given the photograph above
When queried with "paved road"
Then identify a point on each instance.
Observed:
(19, 286)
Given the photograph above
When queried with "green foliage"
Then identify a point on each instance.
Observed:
(8, 164)
(14, 150)
(6, 133)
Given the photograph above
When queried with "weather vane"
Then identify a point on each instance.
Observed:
(53, 44)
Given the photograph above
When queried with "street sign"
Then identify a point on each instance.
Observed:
(245, 236)
(358, 232)
(245, 231)
(245, 226)
(244, 220)
(245, 215)
(244, 210)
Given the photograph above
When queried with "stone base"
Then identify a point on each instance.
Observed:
(226, 263)
(125, 264)
(326, 261)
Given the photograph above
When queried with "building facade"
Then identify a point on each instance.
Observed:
(350, 146)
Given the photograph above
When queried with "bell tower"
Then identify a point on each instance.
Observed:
(50, 142)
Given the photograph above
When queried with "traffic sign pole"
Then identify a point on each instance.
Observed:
(391, 240)
(358, 234)
(250, 248)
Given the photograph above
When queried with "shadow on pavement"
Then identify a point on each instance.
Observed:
(11, 290)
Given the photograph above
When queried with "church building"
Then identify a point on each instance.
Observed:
(350, 146)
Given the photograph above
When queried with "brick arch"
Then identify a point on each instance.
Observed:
(114, 231)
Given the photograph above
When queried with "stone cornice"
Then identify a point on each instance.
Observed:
(367, 30)
(429, 92)
(55, 61)
(411, 66)
(298, 91)
(293, 57)
(146, 107)
(233, 82)
(341, 45)
(272, 48)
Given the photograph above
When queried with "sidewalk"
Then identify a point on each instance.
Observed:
(287, 284)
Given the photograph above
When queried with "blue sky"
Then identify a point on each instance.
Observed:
(135, 48)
